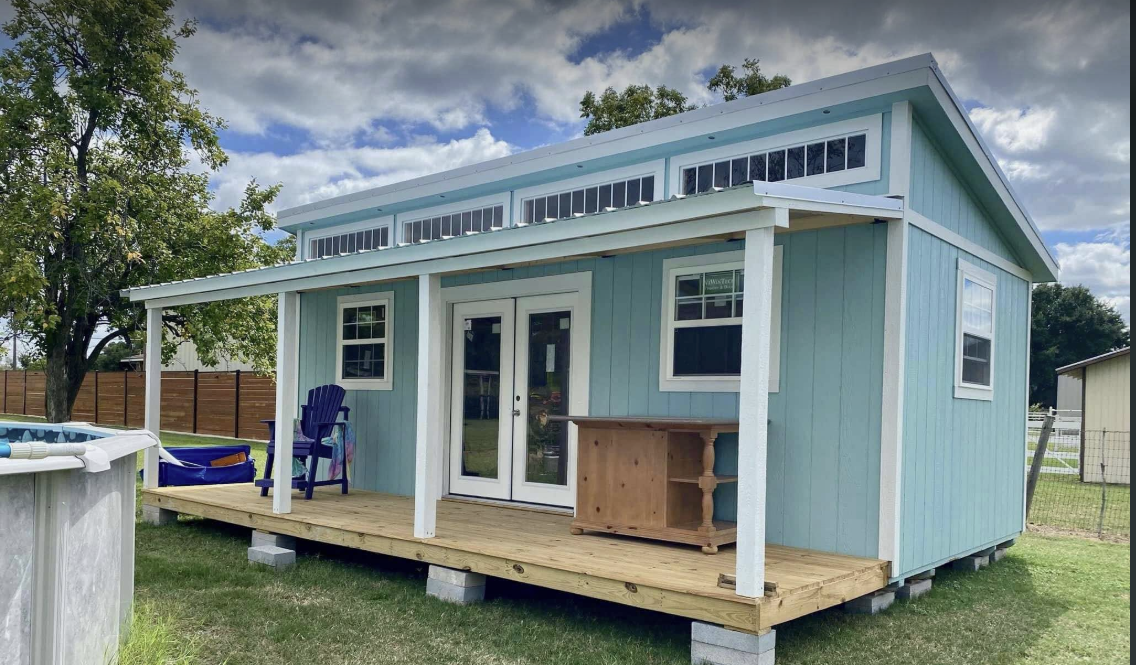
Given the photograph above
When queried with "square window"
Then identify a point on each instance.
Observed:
(632, 192)
(591, 200)
(467, 222)
(689, 181)
(605, 197)
(722, 175)
(578, 202)
(795, 163)
(757, 167)
(708, 351)
(719, 307)
(688, 285)
(553, 207)
(688, 309)
(619, 195)
(365, 338)
(739, 171)
(528, 213)
(857, 150)
(436, 228)
(705, 177)
(498, 217)
(815, 159)
(647, 189)
(776, 166)
(539, 215)
(835, 160)
(565, 205)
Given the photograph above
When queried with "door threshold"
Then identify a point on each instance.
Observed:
(513, 505)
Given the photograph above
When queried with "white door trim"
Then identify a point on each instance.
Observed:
(578, 282)
(499, 487)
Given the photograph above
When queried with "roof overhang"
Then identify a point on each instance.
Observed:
(1094, 360)
(713, 215)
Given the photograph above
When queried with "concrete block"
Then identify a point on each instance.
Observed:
(873, 603)
(997, 555)
(269, 555)
(925, 575)
(274, 539)
(158, 516)
(971, 563)
(714, 645)
(913, 589)
(986, 552)
(455, 586)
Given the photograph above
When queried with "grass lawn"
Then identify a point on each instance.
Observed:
(1055, 600)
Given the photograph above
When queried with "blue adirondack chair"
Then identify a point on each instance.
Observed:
(318, 418)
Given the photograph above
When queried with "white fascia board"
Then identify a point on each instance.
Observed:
(643, 217)
(732, 223)
(815, 199)
(832, 91)
(951, 238)
(985, 159)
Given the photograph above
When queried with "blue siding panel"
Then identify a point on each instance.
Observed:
(824, 423)
(963, 480)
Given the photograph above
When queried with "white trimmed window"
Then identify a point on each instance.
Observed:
(349, 239)
(604, 191)
(364, 335)
(477, 220)
(701, 333)
(974, 333)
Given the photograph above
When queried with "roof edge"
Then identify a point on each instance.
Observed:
(1095, 359)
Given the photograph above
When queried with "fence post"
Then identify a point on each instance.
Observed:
(1104, 485)
(1038, 459)
(25, 399)
(5, 391)
(96, 416)
(195, 382)
(237, 408)
(125, 396)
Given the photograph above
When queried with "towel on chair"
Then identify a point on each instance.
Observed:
(342, 441)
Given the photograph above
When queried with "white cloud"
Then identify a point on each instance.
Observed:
(1015, 130)
(1102, 266)
(321, 173)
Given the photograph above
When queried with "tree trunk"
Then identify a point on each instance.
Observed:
(66, 369)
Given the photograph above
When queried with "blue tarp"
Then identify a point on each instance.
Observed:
(169, 474)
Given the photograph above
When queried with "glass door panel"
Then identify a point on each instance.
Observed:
(544, 451)
(481, 427)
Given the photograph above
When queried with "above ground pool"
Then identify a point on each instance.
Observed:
(66, 540)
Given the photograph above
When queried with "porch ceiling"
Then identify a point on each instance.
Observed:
(714, 215)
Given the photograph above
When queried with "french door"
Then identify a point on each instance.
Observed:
(511, 369)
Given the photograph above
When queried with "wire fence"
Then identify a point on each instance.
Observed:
(1084, 482)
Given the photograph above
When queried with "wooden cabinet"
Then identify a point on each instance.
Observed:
(652, 478)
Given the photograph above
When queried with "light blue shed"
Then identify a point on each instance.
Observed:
(840, 266)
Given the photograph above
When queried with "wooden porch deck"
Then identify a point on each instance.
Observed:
(536, 548)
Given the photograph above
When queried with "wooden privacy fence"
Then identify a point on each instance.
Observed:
(216, 403)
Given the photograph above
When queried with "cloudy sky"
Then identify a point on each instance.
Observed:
(336, 96)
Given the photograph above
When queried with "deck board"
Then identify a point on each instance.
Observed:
(537, 548)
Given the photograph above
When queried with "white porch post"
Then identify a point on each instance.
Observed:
(287, 378)
(891, 423)
(153, 369)
(428, 448)
(753, 402)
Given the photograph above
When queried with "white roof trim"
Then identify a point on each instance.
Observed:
(869, 82)
(533, 239)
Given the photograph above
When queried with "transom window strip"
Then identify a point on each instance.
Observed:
(588, 200)
(349, 243)
(817, 158)
(454, 224)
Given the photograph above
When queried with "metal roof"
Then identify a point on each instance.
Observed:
(1094, 360)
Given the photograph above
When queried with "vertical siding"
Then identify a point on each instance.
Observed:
(384, 419)
(939, 194)
(825, 421)
(1108, 391)
(963, 480)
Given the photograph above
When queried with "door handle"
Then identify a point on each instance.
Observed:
(516, 412)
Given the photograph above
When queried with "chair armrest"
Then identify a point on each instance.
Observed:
(346, 411)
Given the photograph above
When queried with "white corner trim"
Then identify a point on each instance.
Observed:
(656, 168)
(891, 422)
(736, 259)
(871, 125)
(989, 280)
(899, 163)
(970, 247)
(356, 299)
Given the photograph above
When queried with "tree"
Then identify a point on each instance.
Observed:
(637, 103)
(752, 83)
(110, 359)
(97, 193)
(640, 103)
(1069, 325)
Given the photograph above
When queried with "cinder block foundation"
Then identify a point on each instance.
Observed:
(925, 575)
(274, 539)
(455, 586)
(913, 589)
(1008, 544)
(158, 516)
(971, 563)
(997, 555)
(873, 603)
(715, 645)
(272, 556)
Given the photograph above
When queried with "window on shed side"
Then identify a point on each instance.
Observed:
(974, 363)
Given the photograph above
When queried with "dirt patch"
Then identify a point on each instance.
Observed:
(1046, 530)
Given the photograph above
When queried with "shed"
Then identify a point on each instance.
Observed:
(1105, 383)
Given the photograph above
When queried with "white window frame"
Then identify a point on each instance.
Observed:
(656, 168)
(987, 279)
(499, 199)
(359, 300)
(870, 125)
(672, 268)
(374, 223)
